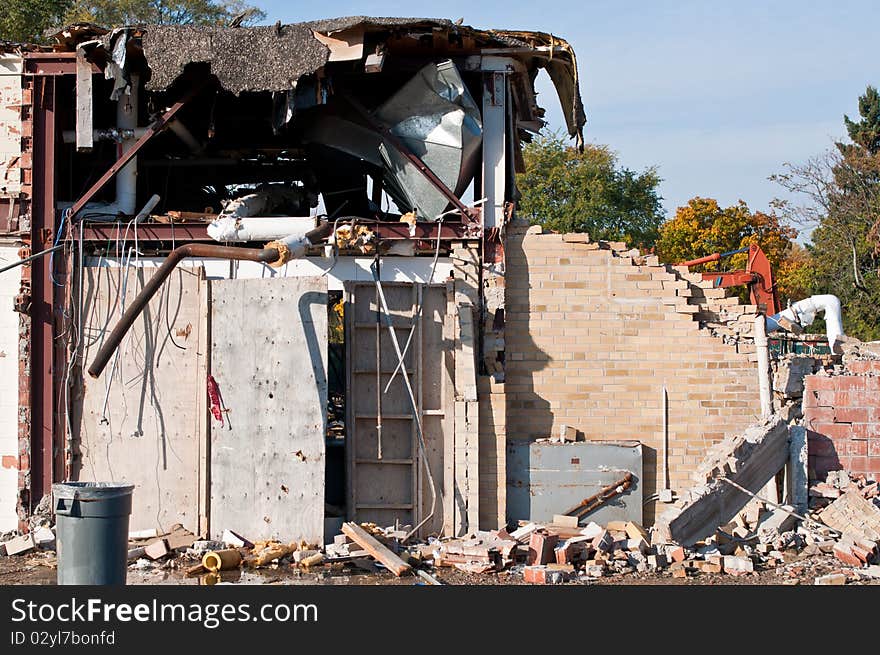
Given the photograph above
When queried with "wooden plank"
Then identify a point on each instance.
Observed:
(84, 122)
(268, 356)
(366, 541)
(149, 433)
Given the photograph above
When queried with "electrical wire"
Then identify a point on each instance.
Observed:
(418, 314)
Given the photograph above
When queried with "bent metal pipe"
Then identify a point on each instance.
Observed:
(263, 255)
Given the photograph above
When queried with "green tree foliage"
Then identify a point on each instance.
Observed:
(163, 12)
(841, 189)
(25, 21)
(570, 191)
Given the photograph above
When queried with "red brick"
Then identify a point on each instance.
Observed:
(853, 448)
(873, 466)
(874, 448)
(541, 545)
(815, 415)
(833, 430)
(859, 399)
(864, 366)
(858, 465)
(849, 383)
(535, 574)
(820, 383)
(851, 415)
(845, 555)
(866, 430)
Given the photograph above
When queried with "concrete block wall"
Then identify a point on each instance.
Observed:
(842, 417)
(592, 337)
(493, 454)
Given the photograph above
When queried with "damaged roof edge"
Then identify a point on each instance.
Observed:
(273, 58)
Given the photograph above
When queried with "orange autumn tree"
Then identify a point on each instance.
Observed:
(703, 227)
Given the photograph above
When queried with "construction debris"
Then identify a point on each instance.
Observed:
(750, 460)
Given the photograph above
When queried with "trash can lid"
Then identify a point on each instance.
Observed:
(91, 490)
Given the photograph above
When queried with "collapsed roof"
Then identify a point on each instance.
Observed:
(275, 58)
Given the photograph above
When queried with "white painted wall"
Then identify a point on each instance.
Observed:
(393, 269)
(10, 123)
(9, 286)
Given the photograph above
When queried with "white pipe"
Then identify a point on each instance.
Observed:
(665, 400)
(803, 312)
(259, 228)
(762, 346)
(127, 119)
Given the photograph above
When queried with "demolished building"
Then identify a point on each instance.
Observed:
(215, 196)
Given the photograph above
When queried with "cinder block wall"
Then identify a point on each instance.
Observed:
(842, 416)
(592, 337)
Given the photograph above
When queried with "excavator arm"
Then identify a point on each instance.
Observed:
(758, 277)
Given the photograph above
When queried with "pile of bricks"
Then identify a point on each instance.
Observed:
(858, 520)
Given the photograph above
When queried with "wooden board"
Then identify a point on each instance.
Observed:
(268, 356)
(369, 543)
(394, 486)
(149, 434)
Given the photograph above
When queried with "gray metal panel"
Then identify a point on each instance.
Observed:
(544, 479)
(268, 354)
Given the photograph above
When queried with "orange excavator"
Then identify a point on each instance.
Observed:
(758, 277)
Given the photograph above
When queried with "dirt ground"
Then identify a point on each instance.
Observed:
(40, 569)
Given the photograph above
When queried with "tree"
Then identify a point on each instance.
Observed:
(702, 227)
(570, 191)
(25, 21)
(162, 12)
(841, 202)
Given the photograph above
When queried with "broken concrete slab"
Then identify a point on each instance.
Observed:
(774, 522)
(737, 565)
(750, 460)
(157, 549)
(790, 373)
(20, 545)
(235, 540)
(831, 579)
(44, 538)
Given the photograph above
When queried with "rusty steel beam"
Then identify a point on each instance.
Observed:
(52, 63)
(39, 397)
(264, 255)
(189, 231)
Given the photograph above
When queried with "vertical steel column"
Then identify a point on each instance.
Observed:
(43, 230)
(494, 147)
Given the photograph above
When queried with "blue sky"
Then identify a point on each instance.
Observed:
(718, 98)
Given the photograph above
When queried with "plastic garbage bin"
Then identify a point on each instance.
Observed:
(91, 526)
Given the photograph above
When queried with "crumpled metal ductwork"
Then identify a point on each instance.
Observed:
(438, 120)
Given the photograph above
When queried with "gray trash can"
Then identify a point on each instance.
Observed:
(91, 526)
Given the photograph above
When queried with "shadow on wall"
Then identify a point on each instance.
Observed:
(823, 456)
(529, 416)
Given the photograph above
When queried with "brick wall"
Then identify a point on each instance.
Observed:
(842, 416)
(591, 338)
